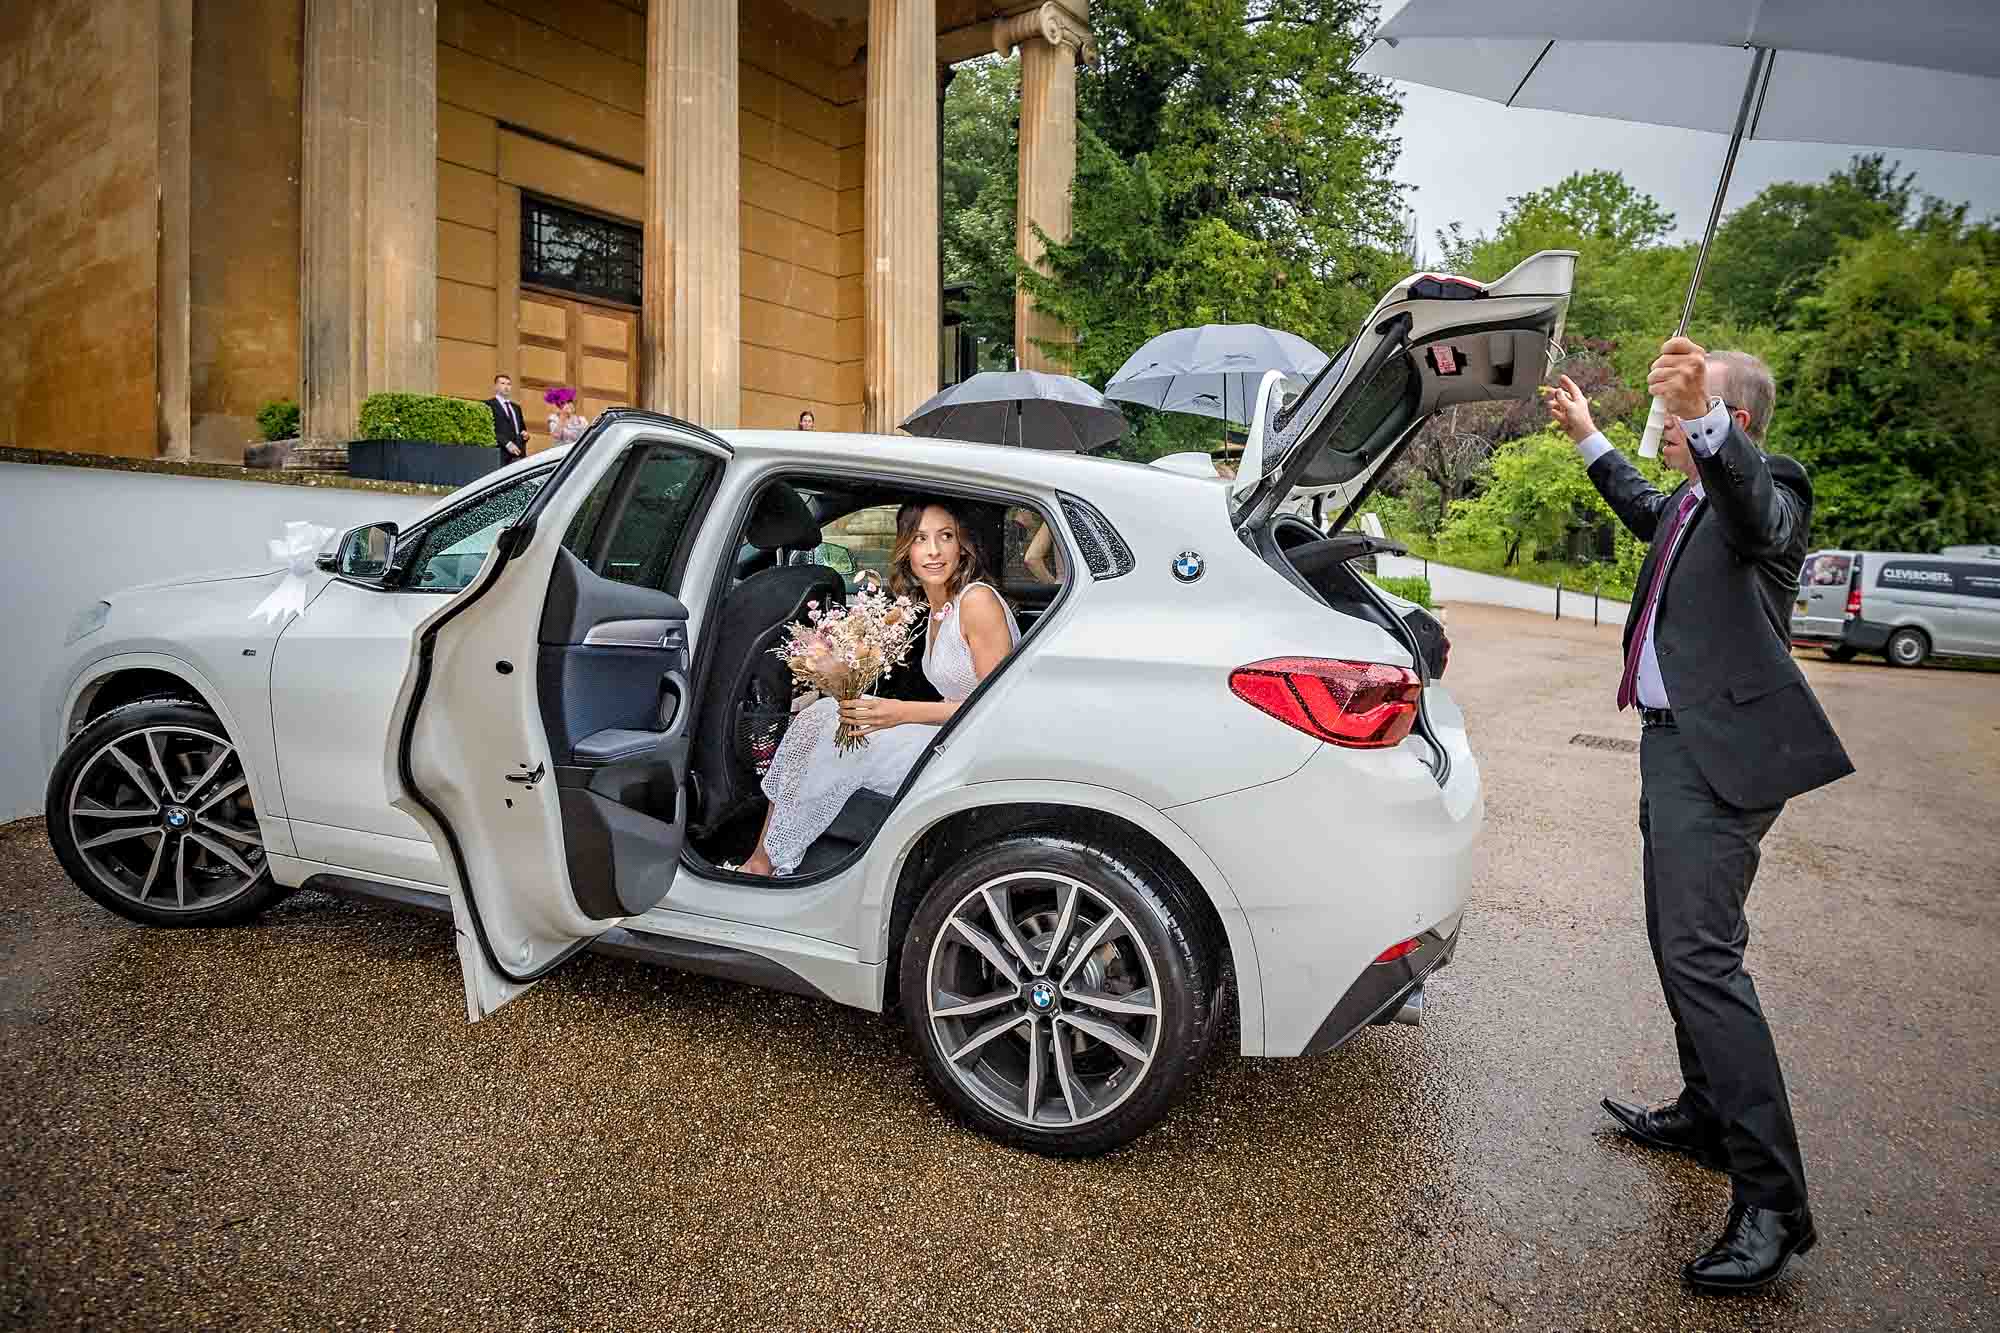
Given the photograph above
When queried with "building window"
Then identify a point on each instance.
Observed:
(580, 252)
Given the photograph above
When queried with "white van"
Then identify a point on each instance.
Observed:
(1901, 605)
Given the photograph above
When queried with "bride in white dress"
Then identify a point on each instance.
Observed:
(970, 632)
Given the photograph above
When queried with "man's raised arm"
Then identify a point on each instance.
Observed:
(1636, 501)
(1763, 515)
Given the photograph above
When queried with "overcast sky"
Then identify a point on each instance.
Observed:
(1466, 156)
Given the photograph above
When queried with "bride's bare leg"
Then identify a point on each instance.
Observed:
(759, 861)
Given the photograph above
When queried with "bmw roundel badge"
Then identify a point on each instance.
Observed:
(1188, 566)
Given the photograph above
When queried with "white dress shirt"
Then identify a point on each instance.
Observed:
(1705, 436)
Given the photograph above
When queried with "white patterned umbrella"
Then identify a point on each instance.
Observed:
(1213, 370)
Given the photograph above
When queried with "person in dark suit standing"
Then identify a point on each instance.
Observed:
(1730, 732)
(510, 431)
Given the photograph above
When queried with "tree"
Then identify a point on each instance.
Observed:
(1538, 491)
(1629, 278)
(1770, 253)
(1536, 488)
(1230, 168)
(976, 216)
(1598, 205)
(1891, 388)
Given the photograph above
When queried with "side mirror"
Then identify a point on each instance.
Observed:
(362, 553)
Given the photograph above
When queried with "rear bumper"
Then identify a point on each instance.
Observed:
(1355, 852)
(1863, 636)
(1381, 991)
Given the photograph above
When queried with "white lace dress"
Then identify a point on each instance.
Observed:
(810, 780)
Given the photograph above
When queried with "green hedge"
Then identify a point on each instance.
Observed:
(426, 416)
(1415, 588)
(278, 419)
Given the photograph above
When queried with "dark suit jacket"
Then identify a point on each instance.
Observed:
(1723, 627)
(509, 427)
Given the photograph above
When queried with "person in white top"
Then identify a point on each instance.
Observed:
(935, 559)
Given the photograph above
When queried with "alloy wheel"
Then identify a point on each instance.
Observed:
(1043, 1000)
(162, 816)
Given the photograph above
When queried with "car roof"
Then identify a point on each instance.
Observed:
(1086, 475)
(1108, 482)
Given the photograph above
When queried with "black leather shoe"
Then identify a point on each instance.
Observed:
(1755, 1245)
(1671, 1128)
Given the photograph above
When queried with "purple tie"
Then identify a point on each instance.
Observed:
(1628, 684)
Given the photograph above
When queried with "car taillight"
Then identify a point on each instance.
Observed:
(1854, 597)
(1362, 705)
(1395, 951)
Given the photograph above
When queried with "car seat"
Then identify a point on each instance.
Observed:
(746, 698)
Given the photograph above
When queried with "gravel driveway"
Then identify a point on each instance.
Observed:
(292, 1126)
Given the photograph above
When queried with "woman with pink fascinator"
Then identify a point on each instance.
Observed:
(566, 424)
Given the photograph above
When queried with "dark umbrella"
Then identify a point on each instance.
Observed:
(1024, 407)
(1213, 370)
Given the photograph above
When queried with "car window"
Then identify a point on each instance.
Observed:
(451, 550)
(1033, 554)
(634, 525)
(858, 546)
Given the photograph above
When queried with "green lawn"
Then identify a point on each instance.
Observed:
(1574, 578)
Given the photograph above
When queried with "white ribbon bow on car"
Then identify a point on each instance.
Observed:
(296, 551)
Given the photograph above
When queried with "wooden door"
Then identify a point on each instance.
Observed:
(590, 347)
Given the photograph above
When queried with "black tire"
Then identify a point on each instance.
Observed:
(232, 903)
(1838, 654)
(1184, 962)
(1907, 647)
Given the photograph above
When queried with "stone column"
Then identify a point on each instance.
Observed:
(691, 334)
(368, 196)
(172, 343)
(1050, 39)
(899, 258)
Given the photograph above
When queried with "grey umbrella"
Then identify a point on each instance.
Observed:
(1024, 407)
(1213, 370)
(1894, 76)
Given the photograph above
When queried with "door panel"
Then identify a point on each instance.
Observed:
(547, 767)
(589, 347)
(1821, 606)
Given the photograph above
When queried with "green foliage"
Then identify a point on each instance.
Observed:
(976, 221)
(1415, 588)
(426, 416)
(1230, 169)
(1890, 388)
(1772, 252)
(1628, 277)
(278, 420)
(1538, 490)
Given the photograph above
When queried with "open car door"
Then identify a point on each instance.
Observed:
(541, 736)
(1430, 343)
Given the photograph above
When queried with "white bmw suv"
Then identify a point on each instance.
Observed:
(1219, 770)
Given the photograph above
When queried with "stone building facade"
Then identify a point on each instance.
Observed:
(724, 209)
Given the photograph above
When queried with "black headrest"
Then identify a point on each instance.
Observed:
(781, 520)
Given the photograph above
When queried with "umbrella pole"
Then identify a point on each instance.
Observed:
(1760, 67)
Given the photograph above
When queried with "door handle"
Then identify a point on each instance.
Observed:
(529, 778)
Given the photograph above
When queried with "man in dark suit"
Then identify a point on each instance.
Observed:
(510, 432)
(1730, 733)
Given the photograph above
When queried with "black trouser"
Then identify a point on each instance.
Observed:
(1700, 856)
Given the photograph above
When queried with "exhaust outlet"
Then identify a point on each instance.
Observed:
(1411, 1014)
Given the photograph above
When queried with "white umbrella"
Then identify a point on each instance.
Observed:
(1213, 370)
(1914, 75)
